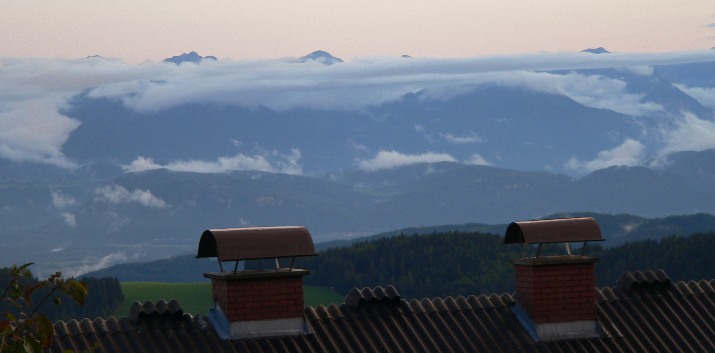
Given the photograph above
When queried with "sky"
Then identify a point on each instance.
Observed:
(151, 30)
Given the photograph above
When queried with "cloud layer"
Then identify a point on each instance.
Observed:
(629, 153)
(394, 159)
(35, 92)
(271, 162)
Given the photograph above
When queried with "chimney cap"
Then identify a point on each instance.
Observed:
(235, 244)
(560, 230)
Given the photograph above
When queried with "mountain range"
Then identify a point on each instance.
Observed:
(140, 165)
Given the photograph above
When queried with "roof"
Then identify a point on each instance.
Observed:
(644, 312)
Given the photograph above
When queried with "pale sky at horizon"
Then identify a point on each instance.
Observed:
(137, 31)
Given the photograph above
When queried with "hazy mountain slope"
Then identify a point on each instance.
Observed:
(622, 189)
(513, 128)
(697, 168)
(475, 193)
(476, 145)
(691, 74)
(160, 213)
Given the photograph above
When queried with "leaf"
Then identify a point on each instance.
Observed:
(31, 345)
(44, 330)
(77, 290)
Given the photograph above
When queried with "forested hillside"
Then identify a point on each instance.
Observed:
(616, 228)
(454, 262)
(420, 265)
(458, 263)
(683, 258)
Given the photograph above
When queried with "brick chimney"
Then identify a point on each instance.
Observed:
(259, 295)
(555, 295)
(257, 303)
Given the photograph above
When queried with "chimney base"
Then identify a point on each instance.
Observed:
(555, 330)
(268, 328)
(257, 328)
(567, 330)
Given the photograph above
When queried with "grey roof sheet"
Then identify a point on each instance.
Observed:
(676, 318)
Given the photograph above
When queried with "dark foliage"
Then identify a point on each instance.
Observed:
(462, 263)
(104, 297)
(454, 262)
(24, 328)
(438, 264)
(682, 258)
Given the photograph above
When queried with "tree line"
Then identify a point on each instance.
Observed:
(442, 264)
(464, 263)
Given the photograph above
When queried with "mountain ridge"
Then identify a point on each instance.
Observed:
(160, 212)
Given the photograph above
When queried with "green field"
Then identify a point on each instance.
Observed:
(195, 298)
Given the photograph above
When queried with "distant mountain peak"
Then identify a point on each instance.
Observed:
(405, 56)
(599, 50)
(320, 56)
(191, 57)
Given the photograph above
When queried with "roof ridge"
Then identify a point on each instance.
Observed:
(357, 297)
(160, 307)
(649, 279)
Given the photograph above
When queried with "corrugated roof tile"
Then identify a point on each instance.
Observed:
(484, 301)
(683, 288)
(677, 318)
(357, 297)
(335, 311)
(462, 304)
(648, 280)
(428, 305)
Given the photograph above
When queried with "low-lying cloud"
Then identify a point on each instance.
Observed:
(119, 195)
(70, 219)
(34, 131)
(477, 159)
(461, 139)
(95, 265)
(628, 153)
(274, 162)
(394, 159)
(704, 95)
(60, 200)
(689, 134)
